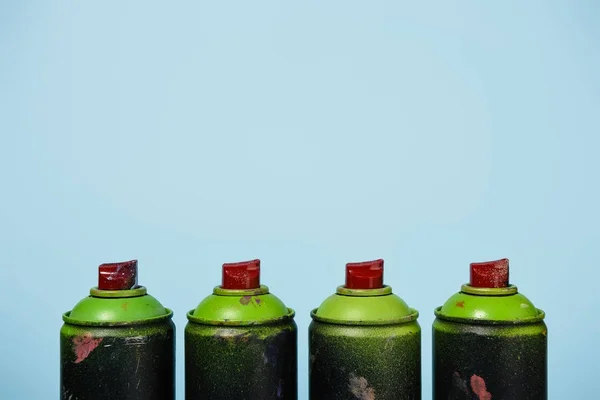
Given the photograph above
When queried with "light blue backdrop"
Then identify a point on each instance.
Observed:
(307, 135)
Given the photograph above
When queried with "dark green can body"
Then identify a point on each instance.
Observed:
(117, 344)
(133, 362)
(241, 345)
(241, 362)
(489, 343)
(475, 361)
(364, 362)
(364, 344)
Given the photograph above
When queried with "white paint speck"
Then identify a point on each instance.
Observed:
(360, 388)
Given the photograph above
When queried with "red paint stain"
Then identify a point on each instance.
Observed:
(460, 304)
(245, 300)
(478, 387)
(83, 345)
(257, 301)
(124, 306)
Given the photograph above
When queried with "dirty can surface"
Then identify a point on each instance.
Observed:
(241, 341)
(118, 343)
(489, 341)
(364, 341)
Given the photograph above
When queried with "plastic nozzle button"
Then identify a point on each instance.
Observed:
(490, 274)
(118, 276)
(241, 275)
(364, 275)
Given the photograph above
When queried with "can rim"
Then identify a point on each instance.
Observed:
(151, 320)
(413, 316)
(230, 322)
(504, 291)
(114, 294)
(478, 321)
(219, 291)
(382, 291)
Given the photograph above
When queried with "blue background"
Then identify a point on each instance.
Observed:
(430, 134)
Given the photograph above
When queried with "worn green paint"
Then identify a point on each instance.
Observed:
(115, 306)
(489, 338)
(371, 306)
(118, 344)
(235, 307)
(241, 344)
(364, 344)
(489, 305)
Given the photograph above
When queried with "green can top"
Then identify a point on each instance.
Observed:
(240, 300)
(364, 299)
(489, 299)
(117, 300)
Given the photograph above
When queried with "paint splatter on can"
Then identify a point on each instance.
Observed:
(118, 343)
(241, 341)
(364, 341)
(489, 341)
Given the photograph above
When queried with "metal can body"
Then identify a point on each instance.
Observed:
(117, 343)
(364, 341)
(241, 362)
(241, 341)
(364, 362)
(489, 341)
(489, 361)
(134, 362)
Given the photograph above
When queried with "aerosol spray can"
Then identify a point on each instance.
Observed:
(117, 343)
(489, 341)
(364, 341)
(241, 341)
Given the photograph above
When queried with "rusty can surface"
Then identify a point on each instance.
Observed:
(364, 341)
(118, 343)
(489, 341)
(241, 341)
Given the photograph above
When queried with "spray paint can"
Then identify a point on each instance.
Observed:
(118, 343)
(364, 341)
(241, 341)
(489, 341)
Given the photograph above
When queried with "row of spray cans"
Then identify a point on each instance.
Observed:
(489, 341)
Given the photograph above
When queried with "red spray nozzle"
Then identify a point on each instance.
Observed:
(490, 274)
(241, 275)
(118, 276)
(364, 275)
